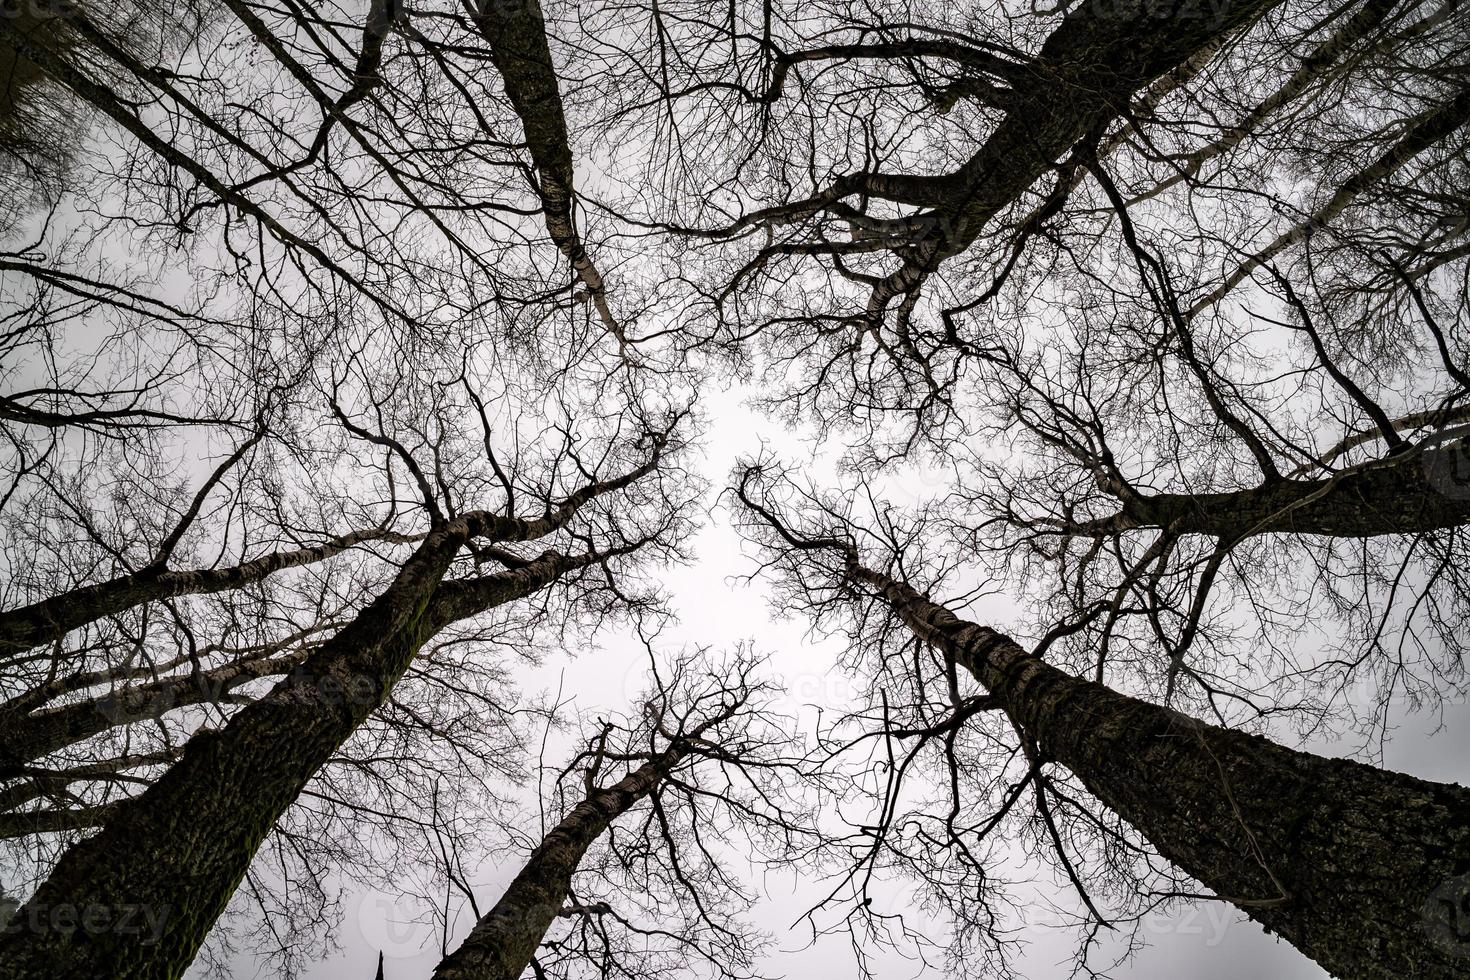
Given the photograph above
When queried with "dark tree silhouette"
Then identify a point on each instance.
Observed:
(1340, 858)
(351, 357)
(706, 754)
(210, 810)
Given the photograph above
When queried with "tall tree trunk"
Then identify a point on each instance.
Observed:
(1343, 860)
(504, 940)
(1083, 77)
(180, 849)
(516, 35)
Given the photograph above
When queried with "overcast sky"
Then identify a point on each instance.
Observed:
(1207, 942)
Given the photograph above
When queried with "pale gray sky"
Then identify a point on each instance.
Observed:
(1207, 942)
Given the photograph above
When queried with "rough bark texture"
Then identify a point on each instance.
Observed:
(1343, 860)
(1421, 493)
(181, 848)
(504, 940)
(1085, 75)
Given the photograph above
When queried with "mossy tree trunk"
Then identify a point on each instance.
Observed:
(1416, 493)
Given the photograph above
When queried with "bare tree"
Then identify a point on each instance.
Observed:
(247, 773)
(704, 759)
(336, 381)
(1302, 844)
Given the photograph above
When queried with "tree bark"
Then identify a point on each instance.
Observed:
(516, 34)
(180, 849)
(1421, 492)
(502, 943)
(1341, 859)
(1312, 69)
(1084, 76)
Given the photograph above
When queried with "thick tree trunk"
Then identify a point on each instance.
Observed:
(180, 849)
(1420, 493)
(504, 940)
(1344, 861)
(1084, 76)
